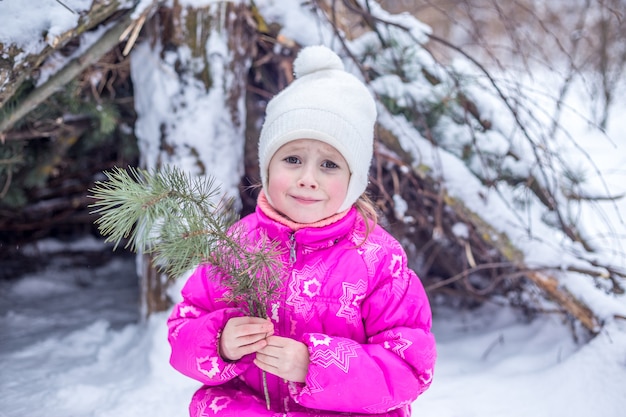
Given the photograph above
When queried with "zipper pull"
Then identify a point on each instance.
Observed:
(292, 248)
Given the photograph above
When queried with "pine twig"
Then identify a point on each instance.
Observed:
(180, 220)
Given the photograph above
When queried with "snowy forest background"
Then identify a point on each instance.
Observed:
(499, 165)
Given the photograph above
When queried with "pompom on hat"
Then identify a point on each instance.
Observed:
(328, 104)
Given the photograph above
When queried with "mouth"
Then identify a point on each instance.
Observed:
(304, 200)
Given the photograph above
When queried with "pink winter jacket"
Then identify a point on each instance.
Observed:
(362, 313)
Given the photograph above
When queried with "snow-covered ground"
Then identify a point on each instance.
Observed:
(72, 345)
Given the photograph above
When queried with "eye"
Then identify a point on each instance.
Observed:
(329, 165)
(292, 160)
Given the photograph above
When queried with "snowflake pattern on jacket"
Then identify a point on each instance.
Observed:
(362, 313)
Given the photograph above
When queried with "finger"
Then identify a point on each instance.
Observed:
(253, 329)
(271, 351)
(251, 348)
(238, 326)
(278, 341)
(265, 367)
(250, 339)
(263, 327)
(249, 320)
(269, 362)
(268, 358)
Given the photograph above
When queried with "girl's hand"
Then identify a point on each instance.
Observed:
(244, 335)
(284, 357)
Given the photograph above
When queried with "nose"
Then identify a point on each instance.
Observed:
(307, 179)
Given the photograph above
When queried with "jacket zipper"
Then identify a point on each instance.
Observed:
(281, 386)
(292, 248)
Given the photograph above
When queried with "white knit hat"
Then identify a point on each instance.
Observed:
(326, 103)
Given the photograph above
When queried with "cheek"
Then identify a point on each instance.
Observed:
(338, 189)
(276, 181)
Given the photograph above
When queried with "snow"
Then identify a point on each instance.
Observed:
(74, 345)
(33, 27)
(205, 138)
(491, 365)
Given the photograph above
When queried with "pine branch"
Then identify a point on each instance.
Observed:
(182, 222)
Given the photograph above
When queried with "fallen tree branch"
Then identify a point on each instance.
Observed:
(547, 283)
(566, 300)
(67, 74)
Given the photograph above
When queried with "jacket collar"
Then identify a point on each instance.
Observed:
(323, 233)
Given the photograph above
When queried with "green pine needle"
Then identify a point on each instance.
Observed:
(182, 222)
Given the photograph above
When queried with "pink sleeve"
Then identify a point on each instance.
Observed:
(193, 332)
(388, 372)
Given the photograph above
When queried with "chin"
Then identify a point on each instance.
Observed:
(299, 217)
(304, 220)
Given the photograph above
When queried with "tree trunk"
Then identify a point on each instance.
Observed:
(190, 77)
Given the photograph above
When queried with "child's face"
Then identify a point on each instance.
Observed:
(307, 180)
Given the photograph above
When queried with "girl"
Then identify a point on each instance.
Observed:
(350, 332)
